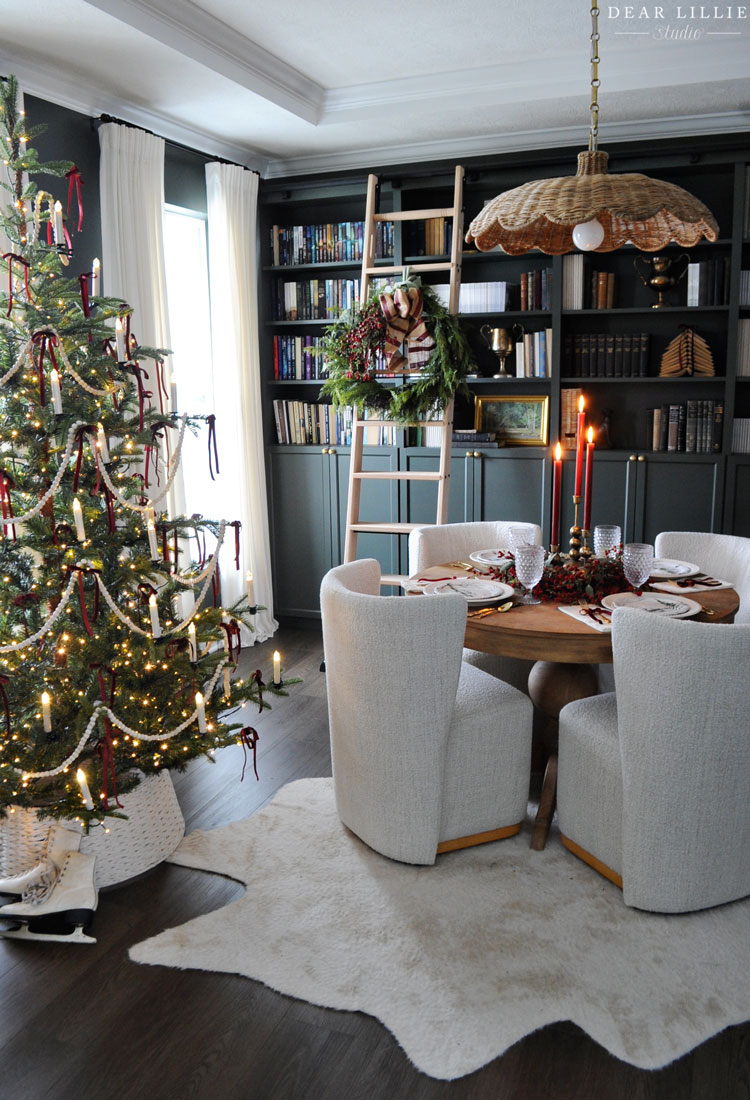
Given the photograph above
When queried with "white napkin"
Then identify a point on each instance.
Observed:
(686, 589)
(574, 610)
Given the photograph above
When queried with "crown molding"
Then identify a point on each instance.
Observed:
(192, 32)
(55, 87)
(487, 145)
(623, 70)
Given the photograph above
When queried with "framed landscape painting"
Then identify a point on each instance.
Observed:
(516, 421)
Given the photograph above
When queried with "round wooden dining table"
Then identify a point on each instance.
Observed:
(566, 650)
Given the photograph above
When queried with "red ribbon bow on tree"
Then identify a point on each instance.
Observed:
(46, 341)
(75, 180)
(6, 484)
(11, 257)
(248, 738)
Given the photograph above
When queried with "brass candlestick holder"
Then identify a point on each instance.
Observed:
(586, 551)
(575, 533)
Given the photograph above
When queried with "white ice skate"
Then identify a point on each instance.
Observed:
(59, 907)
(59, 841)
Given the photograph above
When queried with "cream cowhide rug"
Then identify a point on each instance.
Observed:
(462, 959)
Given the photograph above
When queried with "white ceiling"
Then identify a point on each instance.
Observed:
(292, 86)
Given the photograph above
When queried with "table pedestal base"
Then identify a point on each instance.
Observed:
(552, 684)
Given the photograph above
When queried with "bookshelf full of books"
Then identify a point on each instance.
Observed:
(581, 324)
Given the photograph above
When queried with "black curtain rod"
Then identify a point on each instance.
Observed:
(97, 122)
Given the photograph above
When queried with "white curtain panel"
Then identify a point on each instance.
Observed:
(241, 489)
(131, 185)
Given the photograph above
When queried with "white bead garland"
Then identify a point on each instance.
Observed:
(102, 708)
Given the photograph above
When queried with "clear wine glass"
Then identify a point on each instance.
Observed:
(529, 569)
(607, 539)
(637, 561)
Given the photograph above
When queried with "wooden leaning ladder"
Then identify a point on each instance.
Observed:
(356, 474)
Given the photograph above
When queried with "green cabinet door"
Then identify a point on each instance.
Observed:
(679, 493)
(302, 550)
(512, 484)
(419, 498)
(614, 477)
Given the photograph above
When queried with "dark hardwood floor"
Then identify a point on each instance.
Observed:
(83, 1022)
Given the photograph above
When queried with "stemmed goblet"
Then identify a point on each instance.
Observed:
(637, 562)
(529, 569)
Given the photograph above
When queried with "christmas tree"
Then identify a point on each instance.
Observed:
(116, 658)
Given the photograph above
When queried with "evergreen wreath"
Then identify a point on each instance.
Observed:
(354, 344)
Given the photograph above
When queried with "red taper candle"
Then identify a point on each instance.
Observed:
(589, 470)
(556, 485)
(580, 430)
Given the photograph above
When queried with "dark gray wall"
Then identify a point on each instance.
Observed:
(70, 136)
(73, 136)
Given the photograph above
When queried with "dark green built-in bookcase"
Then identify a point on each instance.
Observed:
(643, 489)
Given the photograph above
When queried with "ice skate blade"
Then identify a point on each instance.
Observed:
(24, 932)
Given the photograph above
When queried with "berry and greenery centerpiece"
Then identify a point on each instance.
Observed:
(567, 581)
(116, 656)
(362, 354)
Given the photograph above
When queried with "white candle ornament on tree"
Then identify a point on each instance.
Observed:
(54, 379)
(78, 518)
(120, 341)
(58, 223)
(193, 643)
(95, 275)
(46, 712)
(85, 792)
(152, 543)
(153, 611)
(276, 667)
(201, 710)
(249, 581)
(101, 442)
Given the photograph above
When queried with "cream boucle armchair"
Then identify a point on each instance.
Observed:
(429, 753)
(434, 545)
(652, 779)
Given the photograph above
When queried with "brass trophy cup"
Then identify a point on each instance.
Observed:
(502, 341)
(661, 277)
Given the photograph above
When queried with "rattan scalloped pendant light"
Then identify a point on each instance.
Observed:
(592, 210)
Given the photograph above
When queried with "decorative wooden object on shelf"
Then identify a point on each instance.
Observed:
(688, 353)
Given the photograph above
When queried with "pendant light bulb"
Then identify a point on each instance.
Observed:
(588, 235)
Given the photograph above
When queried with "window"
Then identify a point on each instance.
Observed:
(186, 266)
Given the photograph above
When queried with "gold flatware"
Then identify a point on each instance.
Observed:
(482, 612)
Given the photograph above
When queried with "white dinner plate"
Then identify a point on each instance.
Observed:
(665, 568)
(676, 607)
(473, 589)
(490, 557)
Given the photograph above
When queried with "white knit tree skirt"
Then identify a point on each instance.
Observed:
(123, 848)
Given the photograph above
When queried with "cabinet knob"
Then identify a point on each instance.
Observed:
(477, 454)
(641, 458)
(324, 451)
(469, 454)
(332, 450)
(632, 458)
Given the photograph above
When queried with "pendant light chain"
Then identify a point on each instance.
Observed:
(594, 132)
